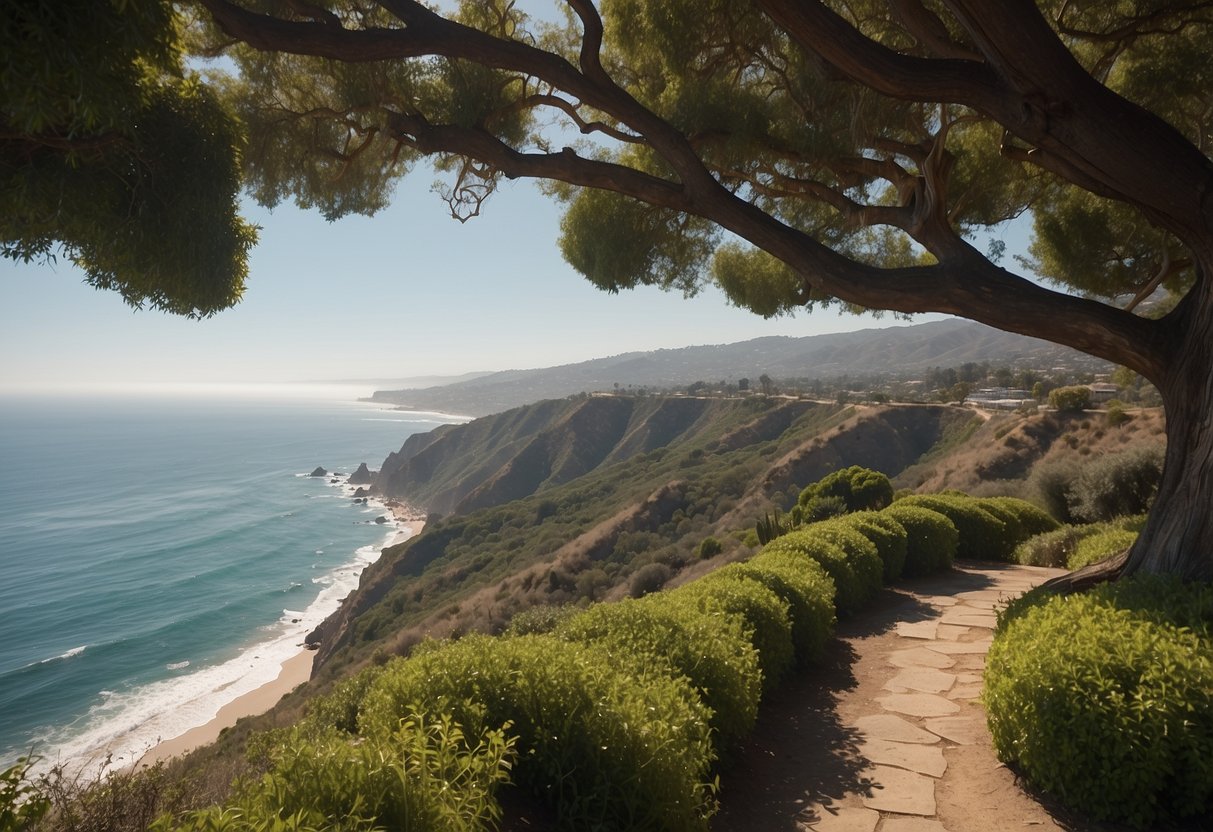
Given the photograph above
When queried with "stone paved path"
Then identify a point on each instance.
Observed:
(902, 744)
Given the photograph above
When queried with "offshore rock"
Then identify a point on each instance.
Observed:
(363, 476)
(319, 472)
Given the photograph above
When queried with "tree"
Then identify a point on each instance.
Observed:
(766, 384)
(118, 158)
(1070, 399)
(798, 154)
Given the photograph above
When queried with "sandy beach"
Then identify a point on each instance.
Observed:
(295, 671)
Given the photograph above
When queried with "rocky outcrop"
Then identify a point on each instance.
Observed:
(319, 472)
(362, 476)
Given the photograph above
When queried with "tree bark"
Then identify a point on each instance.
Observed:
(1178, 535)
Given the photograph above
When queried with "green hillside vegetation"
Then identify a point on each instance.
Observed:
(559, 686)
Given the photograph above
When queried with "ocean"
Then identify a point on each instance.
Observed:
(163, 551)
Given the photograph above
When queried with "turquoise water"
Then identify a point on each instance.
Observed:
(161, 555)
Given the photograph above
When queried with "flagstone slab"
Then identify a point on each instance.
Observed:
(844, 819)
(940, 600)
(956, 648)
(913, 825)
(922, 680)
(962, 618)
(923, 759)
(901, 791)
(962, 730)
(951, 632)
(918, 629)
(918, 704)
(972, 662)
(921, 657)
(965, 692)
(968, 678)
(893, 728)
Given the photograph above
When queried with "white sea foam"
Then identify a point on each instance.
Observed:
(124, 725)
(75, 651)
(175, 666)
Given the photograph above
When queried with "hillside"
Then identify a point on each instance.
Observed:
(580, 499)
(890, 350)
(597, 497)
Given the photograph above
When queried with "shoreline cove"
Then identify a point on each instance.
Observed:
(200, 719)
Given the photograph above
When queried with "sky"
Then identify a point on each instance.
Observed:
(408, 292)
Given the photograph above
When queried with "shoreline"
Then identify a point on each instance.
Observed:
(293, 672)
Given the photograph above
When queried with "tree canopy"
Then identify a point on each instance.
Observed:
(796, 153)
(113, 155)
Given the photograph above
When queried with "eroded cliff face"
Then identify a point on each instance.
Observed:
(508, 456)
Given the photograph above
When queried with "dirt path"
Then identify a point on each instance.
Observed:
(888, 735)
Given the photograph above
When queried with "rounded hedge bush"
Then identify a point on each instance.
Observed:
(809, 593)
(1106, 699)
(887, 535)
(712, 651)
(849, 594)
(1051, 548)
(765, 616)
(605, 743)
(982, 535)
(863, 554)
(1032, 518)
(931, 538)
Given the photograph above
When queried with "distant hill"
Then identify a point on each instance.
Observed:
(890, 350)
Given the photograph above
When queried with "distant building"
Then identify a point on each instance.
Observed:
(1000, 398)
(1102, 391)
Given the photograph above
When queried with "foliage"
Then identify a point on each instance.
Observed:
(540, 619)
(1070, 399)
(773, 525)
(424, 773)
(982, 535)
(765, 616)
(1114, 686)
(822, 508)
(1031, 518)
(851, 591)
(649, 578)
(860, 488)
(1117, 484)
(887, 535)
(1052, 549)
(931, 538)
(860, 551)
(711, 649)
(1099, 546)
(118, 158)
(709, 547)
(605, 743)
(22, 803)
(806, 589)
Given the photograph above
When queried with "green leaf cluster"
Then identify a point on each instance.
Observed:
(1106, 699)
(118, 158)
(931, 538)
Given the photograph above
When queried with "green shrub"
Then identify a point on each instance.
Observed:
(931, 538)
(863, 554)
(22, 803)
(539, 619)
(1032, 518)
(1097, 547)
(1106, 699)
(809, 593)
(605, 743)
(424, 774)
(858, 487)
(822, 508)
(710, 547)
(849, 594)
(1051, 548)
(712, 651)
(887, 535)
(764, 614)
(649, 578)
(1070, 399)
(340, 707)
(1117, 484)
(982, 535)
